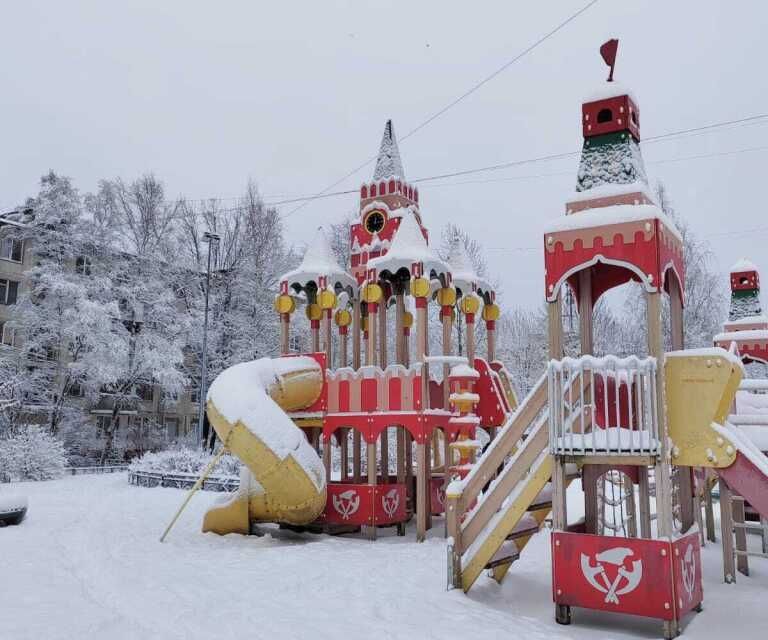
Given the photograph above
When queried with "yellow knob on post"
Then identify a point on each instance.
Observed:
(285, 304)
(327, 299)
(419, 287)
(446, 297)
(469, 304)
(343, 318)
(314, 312)
(491, 312)
(407, 320)
(372, 293)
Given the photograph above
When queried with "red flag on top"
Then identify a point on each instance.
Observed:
(608, 51)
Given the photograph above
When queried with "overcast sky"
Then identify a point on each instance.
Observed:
(295, 95)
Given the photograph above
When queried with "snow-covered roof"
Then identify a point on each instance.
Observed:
(609, 90)
(463, 272)
(608, 190)
(748, 320)
(388, 164)
(743, 265)
(319, 261)
(409, 246)
(614, 214)
(751, 335)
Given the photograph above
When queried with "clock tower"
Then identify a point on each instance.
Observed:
(383, 202)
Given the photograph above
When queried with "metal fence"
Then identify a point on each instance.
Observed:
(603, 406)
(182, 481)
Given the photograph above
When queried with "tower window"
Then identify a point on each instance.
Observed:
(633, 115)
(604, 115)
(744, 281)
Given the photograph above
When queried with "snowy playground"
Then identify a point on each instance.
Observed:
(396, 481)
(85, 569)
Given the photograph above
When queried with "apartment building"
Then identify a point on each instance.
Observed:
(173, 415)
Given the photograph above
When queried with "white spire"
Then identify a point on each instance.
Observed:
(463, 271)
(319, 260)
(388, 163)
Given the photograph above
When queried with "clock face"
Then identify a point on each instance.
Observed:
(374, 221)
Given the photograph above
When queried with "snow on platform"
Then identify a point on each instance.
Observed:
(87, 565)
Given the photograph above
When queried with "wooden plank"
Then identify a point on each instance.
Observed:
(644, 501)
(356, 333)
(555, 328)
(356, 456)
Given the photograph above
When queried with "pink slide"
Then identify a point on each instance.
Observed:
(748, 475)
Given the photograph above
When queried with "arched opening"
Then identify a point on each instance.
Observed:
(604, 115)
(743, 281)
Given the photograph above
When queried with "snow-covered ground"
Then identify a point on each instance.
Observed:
(87, 564)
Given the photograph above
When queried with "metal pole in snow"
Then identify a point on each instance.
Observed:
(210, 238)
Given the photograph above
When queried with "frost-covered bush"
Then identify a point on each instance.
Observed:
(185, 460)
(32, 453)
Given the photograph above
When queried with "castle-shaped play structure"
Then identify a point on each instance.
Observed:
(642, 433)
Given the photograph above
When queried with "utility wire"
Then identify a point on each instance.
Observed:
(451, 104)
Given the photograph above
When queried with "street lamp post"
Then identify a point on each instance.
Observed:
(211, 239)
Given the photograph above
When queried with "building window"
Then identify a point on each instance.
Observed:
(6, 334)
(194, 394)
(144, 391)
(102, 424)
(171, 427)
(9, 291)
(294, 344)
(11, 249)
(83, 265)
(604, 115)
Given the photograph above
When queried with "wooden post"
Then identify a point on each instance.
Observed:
(370, 530)
(327, 457)
(664, 523)
(586, 304)
(285, 333)
(726, 533)
(399, 337)
(559, 520)
(447, 319)
(740, 534)
(590, 474)
(490, 335)
(314, 329)
(328, 337)
(453, 525)
(644, 495)
(383, 356)
(383, 362)
(555, 328)
(343, 361)
(357, 463)
(709, 511)
(371, 345)
(469, 323)
(356, 333)
(344, 454)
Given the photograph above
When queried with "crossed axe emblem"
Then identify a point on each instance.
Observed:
(390, 502)
(616, 557)
(688, 567)
(346, 503)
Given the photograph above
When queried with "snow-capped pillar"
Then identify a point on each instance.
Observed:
(343, 318)
(469, 307)
(446, 297)
(491, 315)
(285, 305)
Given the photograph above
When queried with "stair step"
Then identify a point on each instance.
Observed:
(507, 554)
(527, 526)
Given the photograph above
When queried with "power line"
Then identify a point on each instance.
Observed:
(455, 101)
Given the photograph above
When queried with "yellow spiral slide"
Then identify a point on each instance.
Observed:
(283, 479)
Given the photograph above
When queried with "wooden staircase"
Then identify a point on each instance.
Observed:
(494, 511)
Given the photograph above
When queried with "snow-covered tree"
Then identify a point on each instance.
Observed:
(32, 453)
